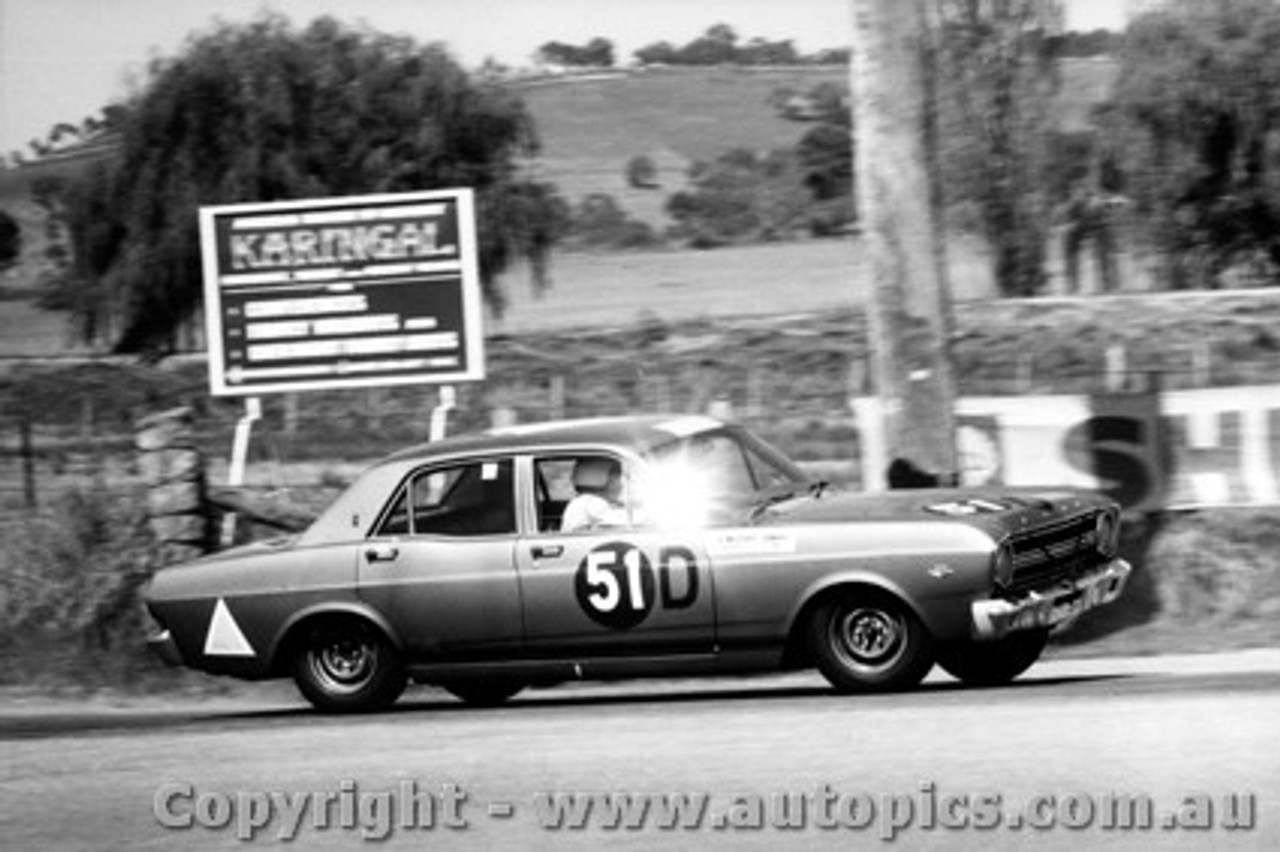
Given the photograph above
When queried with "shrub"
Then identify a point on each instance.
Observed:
(69, 589)
(642, 173)
(600, 223)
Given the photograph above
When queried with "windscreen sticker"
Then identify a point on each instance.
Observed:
(225, 638)
(751, 543)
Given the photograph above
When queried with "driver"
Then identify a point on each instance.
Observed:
(598, 503)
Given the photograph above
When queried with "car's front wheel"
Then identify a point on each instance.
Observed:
(347, 666)
(993, 663)
(865, 641)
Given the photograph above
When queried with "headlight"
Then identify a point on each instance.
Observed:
(1002, 566)
(1107, 533)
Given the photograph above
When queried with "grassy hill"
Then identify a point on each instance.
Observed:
(590, 128)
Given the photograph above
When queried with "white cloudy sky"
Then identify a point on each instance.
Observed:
(63, 60)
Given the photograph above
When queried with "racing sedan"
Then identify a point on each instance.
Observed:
(630, 547)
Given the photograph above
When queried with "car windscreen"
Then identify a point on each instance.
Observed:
(732, 463)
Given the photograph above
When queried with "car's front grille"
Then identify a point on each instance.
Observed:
(1046, 556)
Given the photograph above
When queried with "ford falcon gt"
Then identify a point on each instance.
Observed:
(630, 547)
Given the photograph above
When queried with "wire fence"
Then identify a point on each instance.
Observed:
(71, 425)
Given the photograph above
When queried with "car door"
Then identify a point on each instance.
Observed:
(440, 563)
(616, 590)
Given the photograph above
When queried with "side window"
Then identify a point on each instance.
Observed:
(594, 485)
(471, 499)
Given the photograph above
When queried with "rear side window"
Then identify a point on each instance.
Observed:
(472, 499)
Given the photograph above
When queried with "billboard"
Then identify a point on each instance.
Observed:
(1185, 449)
(342, 292)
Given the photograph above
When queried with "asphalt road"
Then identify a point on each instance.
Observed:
(1064, 759)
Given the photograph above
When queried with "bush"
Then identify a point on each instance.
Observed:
(1219, 567)
(741, 198)
(642, 173)
(600, 223)
(69, 590)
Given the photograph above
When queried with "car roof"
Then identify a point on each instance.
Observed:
(639, 433)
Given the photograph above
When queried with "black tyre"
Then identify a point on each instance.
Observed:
(993, 663)
(869, 642)
(484, 692)
(347, 666)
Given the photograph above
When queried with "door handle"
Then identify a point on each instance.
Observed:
(381, 553)
(548, 551)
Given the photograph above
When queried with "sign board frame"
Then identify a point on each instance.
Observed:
(343, 292)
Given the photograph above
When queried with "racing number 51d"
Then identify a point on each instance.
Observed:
(616, 587)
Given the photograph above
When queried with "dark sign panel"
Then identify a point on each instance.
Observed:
(342, 292)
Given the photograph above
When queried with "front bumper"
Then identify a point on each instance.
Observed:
(993, 619)
(161, 642)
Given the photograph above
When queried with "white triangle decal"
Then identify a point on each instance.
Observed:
(225, 638)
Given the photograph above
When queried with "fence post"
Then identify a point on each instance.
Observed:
(1202, 364)
(755, 393)
(374, 400)
(1116, 368)
(557, 393)
(28, 463)
(86, 417)
(174, 471)
(291, 415)
(661, 387)
(1025, 379)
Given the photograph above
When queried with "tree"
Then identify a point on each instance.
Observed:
(600, 223)
(715, 47)
(826, 155)
(998, 73)
(658, 53)
(642, 173)
(761, 51)
(597, 53)
(264, 112)
(1193, 127)
(741, 197)
(82, 284)
(10, 240)
(900, 207)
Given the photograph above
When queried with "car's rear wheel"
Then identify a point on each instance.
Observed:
(993, 663)
(484, 692)
(347, 666)
(866, 641)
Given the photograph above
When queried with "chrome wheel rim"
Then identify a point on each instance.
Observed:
(343, 664)
(868, 640)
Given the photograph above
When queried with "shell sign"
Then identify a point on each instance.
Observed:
(1180, 449)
